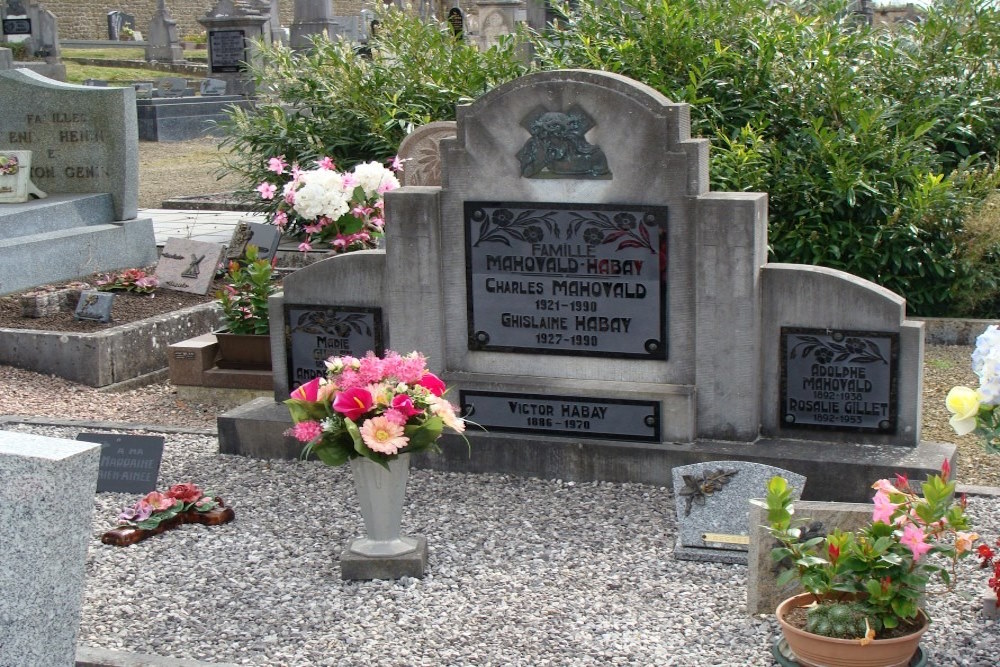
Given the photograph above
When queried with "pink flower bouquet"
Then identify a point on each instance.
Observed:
(326, 208)
(373, 407)
(156, 507)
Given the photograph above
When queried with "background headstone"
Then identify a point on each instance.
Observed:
(129, 463)
(163, 43)
(188, 266)
(712, 505)
(316, 333)
(212, 87)
(118, 20)
(171, 86)
(143, 90)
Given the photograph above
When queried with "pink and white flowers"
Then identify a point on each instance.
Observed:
(155, 507)
(326, 208)
(376, 407)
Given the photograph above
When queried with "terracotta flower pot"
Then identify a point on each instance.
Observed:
(819, 651)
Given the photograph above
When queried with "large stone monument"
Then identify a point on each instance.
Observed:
(233, 26)
(604, 315)
(163, 43)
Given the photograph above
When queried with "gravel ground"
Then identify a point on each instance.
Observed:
(522, 572)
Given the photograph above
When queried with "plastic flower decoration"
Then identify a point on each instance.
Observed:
(328, 209)
(883, 568)
(154, 508)
(975, 410)
(377, 407)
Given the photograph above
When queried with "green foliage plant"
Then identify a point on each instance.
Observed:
(871, 581)
(244, 297)
(874, 143)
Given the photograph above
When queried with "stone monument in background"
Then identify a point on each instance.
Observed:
(163, 43)
(234, 27)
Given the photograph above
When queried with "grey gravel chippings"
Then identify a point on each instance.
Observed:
(522, 572)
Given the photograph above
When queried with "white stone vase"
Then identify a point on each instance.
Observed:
(16, 188)
(380, 494)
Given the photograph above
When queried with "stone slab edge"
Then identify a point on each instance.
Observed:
(87, 656)
(710, 555)
(355, 567)
(117, 426)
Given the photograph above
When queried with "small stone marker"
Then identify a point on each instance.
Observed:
(188, 266)
(264, 236)
(420, 152)
(213, 87)
(129, 463)
(171, 86)
(95, 306)
(712, 507)
(315, 333)
(143, 90)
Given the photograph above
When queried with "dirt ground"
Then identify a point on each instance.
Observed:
(179, 168)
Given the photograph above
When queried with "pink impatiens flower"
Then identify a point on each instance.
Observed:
(266, 190)
(913, 539)
(277, 164)
(883, 508)
(305, 247)
(381, 435)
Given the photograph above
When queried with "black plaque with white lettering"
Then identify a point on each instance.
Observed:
(574, 416)
(313, 334)
(575, 279)
(17, 26)
(129, 463)
(839, 380)
(227, 50)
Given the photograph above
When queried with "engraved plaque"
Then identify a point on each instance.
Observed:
(17, 26)
(228, 50)
(129, 463)
(574, 416)
(313, 334)
(95, 306)
(839, 380)
(567, 279)
(188, 266)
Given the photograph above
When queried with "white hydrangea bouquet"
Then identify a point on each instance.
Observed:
(330, 209)
(975, 410)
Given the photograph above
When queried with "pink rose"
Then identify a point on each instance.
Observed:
(353, 402)
(432, 383)
(308, 391)
(158, 501)
(186, 493)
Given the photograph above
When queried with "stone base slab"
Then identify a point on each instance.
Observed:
(835, 471)
(357, 567)
(710, 555)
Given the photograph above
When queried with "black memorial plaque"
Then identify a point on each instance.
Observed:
(579, 417)
(228, 50)
(313, 334)
(129, 463)
(95, 306)
(17, 26)
(838, 380)
(575, 279)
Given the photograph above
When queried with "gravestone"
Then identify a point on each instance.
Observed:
(265, 237)
(6, 58)
(143, 90)
(171, 86)
(314, 333)
(163, 43)
(188, 266)
(233, 29)
(129, 463)
(606, 316)
(712, 505)
(420, 153)
(94, 305)
(212, 87)
(118, 20)
(311, 18)
(46, 502)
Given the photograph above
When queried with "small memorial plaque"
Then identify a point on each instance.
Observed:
(313, 334)
(171, 86)
(188, 266)
(129, 463)
(838, 380)
(94, 305)
(575, 416)
(582, 280)
(227, 49)
(17, 26)
(213, 87)
(265, 237)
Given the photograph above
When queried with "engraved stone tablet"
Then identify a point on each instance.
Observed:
(314, 333)
(838, 380)
(188, 266)
(227, 50)
(129, 463)
(143, 90)
(575, 416)
(420, 152)
(265, 237)
(213, 87)
(712, 504)
(576, 279)
(17, 26)
(94, 305)
(171, 86)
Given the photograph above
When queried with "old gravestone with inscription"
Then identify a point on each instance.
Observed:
(188, 266)
(604, 315)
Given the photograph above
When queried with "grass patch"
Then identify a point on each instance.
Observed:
(137, 53)
(940, 364)
(122, 76)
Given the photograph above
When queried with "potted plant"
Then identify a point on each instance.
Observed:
(374, 412)
(328, 209)
(245, 342)
(862, 605)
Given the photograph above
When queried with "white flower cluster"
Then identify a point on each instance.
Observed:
(986, 364)
(372, 175)
(321, 193)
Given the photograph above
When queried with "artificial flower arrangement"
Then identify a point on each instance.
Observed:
(129, 280)
(988, 559)
(868, 584)
(330, 209)
(376, 407)
(8, 165)
(244, 296)
(154, 508)
(975, 410)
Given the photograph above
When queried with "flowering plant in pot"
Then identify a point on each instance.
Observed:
(374, 412)
(864, 588)
(326, 208)
(244, 342)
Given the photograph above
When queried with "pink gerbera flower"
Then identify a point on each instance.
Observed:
(381, 435)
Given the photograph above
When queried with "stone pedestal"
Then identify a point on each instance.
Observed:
(357, 567)
(47, 488)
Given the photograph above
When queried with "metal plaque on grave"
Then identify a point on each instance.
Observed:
(227, 50)
(574, 416)
(314, 333)
(95, 306)
(188, 266)
(265, 237)
(129, 463)
(17, 26)
(838, 380)
(573, 279)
